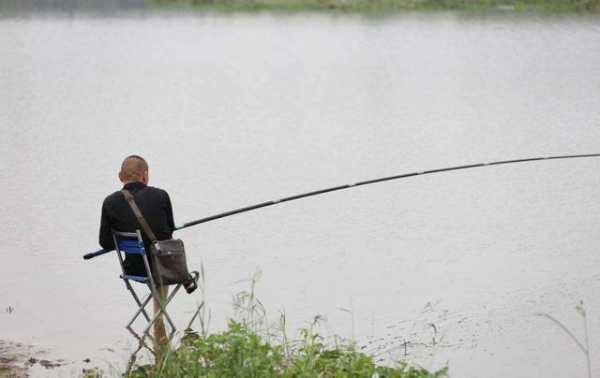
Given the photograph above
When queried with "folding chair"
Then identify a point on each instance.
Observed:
(131, 243)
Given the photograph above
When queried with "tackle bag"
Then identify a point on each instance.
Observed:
(169, 265)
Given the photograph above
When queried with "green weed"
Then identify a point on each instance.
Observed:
(249, 347)
(239, 352)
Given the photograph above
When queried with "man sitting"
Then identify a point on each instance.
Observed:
(117, 215)
(156, 208)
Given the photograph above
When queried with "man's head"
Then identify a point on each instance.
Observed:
(134, 169)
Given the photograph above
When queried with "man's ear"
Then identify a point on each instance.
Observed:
(145, 178)
(120, 176)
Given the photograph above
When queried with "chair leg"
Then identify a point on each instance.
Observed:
(189, 326)
(141, 309)
(167, 316)
(161, 311)
(141, 342)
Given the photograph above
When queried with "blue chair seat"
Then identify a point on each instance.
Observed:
(131, 246)
(141, 279)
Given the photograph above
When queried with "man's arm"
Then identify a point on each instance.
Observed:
(105, 239)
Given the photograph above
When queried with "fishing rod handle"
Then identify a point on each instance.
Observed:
(91, 255)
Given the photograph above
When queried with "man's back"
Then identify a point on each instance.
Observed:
(117, 215)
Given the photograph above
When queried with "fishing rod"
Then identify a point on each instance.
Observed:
(360, 183)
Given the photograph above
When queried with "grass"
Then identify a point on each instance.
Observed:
(251, 347)
(378, 6)
(240, 352)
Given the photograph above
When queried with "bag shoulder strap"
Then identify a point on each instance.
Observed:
(138, 214)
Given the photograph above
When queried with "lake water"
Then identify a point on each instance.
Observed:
(235, 109)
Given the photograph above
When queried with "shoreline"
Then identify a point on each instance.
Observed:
(17, 360)
(13, 358)
(384, 6)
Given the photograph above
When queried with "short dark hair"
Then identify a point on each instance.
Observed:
(133, 167)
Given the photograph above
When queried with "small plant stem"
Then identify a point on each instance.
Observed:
(587, 346)
(584, 348)
(564, 328)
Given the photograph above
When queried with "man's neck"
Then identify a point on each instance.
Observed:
(134, 183)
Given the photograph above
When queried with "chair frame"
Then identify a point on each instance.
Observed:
(136, 246)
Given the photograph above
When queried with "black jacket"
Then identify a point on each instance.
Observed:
(117, 215)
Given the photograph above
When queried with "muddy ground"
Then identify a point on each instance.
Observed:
(16, 359)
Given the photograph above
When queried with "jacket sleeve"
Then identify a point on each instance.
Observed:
(105, 239)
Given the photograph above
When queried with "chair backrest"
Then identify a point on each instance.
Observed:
(131, 243)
